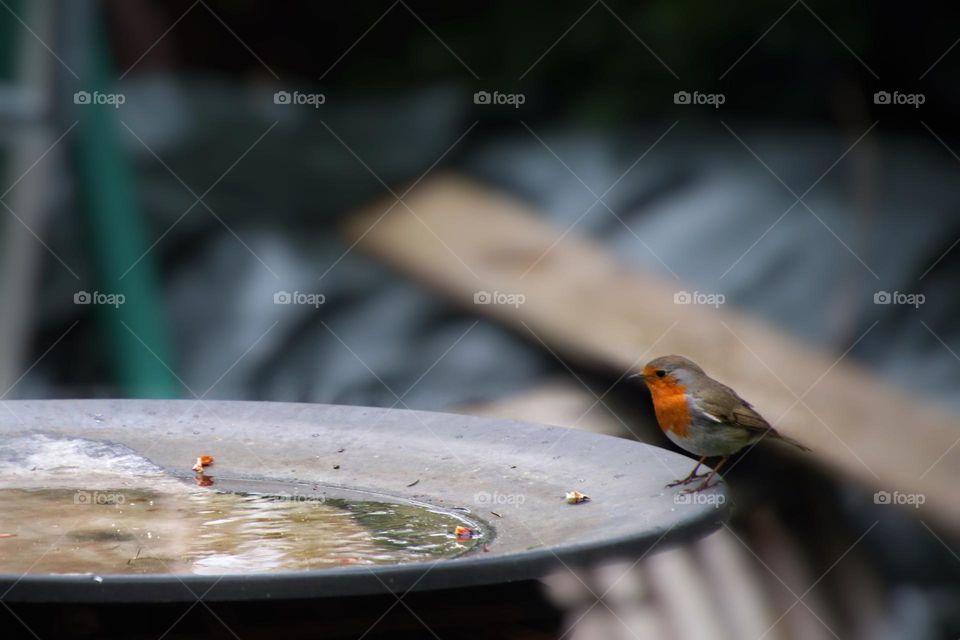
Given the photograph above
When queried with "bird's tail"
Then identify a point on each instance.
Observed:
(790, 440)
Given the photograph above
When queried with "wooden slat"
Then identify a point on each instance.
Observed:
(460, 237)
(561, 403)
(679, 591)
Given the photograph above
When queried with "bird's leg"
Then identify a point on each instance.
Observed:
(706, 483)
(693, 474)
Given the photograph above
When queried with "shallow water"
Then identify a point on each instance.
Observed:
(205, 531)
(130, 518)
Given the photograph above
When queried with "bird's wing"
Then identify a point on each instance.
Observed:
(745, 416)
(723, 404)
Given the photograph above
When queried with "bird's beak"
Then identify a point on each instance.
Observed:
(634, 376)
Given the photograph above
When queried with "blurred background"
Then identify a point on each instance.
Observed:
(504, 208)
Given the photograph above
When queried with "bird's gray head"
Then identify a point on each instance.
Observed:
(680, 369)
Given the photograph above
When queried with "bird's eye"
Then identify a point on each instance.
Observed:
(661, 373)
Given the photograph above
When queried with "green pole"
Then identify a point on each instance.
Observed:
(135, 333)
(10, 33)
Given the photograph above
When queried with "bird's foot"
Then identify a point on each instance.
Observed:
(706, 484)
(688, 479)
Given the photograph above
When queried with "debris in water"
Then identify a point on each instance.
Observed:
(575, 497)
(202, 461)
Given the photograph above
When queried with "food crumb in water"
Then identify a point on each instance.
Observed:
(463, 533)
(202, 461)
(575, 497)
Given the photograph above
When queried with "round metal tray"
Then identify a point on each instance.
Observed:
(520, 471)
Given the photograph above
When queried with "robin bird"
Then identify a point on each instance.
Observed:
(703, 416)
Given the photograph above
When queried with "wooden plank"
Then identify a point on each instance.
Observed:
(561, 403)
(462, 238)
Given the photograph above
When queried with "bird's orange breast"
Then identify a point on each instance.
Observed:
(670, 405)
